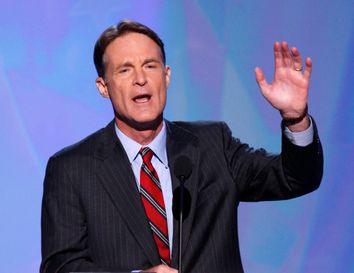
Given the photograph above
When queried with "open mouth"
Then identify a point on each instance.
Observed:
(142, 98)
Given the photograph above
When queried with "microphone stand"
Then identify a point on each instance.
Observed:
(182, 169)
(181, 202)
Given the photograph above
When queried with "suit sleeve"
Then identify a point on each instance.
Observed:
(261, 176)
(64, 230)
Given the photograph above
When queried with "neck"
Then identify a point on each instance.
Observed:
(141, 133)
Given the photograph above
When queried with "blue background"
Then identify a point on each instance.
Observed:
(48, 100)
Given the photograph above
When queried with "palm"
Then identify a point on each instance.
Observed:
(288, 91)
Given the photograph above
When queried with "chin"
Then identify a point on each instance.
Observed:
(149, 124)
(145, 123)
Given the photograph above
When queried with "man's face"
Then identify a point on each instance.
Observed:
(135, 81)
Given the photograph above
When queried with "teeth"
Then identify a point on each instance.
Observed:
(142, 99)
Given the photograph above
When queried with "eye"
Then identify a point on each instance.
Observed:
(151, 65)
(123, 70)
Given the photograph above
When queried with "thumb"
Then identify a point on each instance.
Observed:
(261, 81)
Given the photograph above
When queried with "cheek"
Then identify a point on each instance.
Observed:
(117, 90)
(163, 89)
(162, 94)
(163, 97)
(119, 98)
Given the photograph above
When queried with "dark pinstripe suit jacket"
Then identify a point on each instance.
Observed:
(93, 218)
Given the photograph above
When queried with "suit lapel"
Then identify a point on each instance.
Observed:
(117, 177)
(182, 142)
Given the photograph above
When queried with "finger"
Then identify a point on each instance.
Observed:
(261, 80)
(278, 56)
(286, 55)
(308, 68)
(161, 269)
(297, 59)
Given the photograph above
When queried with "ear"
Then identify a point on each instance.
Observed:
(167, 75)
(102, 87)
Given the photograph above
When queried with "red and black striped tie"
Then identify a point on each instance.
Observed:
(151, 195)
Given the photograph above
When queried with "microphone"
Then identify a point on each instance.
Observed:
(182, 169)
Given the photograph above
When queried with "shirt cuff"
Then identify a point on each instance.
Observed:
(303, 138)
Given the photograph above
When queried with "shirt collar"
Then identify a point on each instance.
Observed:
(157, 145)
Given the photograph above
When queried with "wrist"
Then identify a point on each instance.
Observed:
(288, 121)
(298, 124)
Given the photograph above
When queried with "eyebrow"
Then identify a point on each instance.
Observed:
(150, 60)
(125, 64)
(146, 61)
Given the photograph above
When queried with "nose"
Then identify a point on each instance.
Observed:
(139, 77)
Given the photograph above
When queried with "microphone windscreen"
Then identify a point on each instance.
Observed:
(183, 167)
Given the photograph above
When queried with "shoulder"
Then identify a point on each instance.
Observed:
(203, 132)
(88, 145)
(201, 127)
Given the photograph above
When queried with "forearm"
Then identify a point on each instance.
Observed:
(262, 176)
(303, 165)
(57, 264)
(64, 231)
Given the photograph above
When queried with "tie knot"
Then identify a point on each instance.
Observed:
(146, 153)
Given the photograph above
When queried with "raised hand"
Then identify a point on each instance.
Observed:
(288, 91)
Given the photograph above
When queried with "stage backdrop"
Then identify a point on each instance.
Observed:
(48, 100)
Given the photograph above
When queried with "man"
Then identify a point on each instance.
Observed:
(107, 203)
